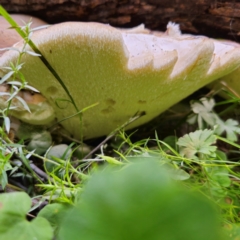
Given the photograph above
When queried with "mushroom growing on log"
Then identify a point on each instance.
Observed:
(124, 71)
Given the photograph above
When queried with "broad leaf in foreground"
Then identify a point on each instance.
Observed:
(13, 223)
(138, 202)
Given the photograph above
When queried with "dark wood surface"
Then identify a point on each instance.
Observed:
(214, 18)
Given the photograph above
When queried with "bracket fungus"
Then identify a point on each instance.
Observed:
(124, 71)
(8, 36)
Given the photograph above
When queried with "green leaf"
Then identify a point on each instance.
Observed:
(198, 142)
(174, 173)
(169, 141)
(221, 175)
(62, 151)
(231, 127)
(7, 123)
(221, 155)
(40, 142)
(3, 179)
(219, 180)
(203, 112)
(6, 77)
(111, 160)
(57, 154)
(4, 167)
(13, 223)
(23, 102)
(179, 174)
(54, 213)
(33, 53)
(139, 201)
(233, 231)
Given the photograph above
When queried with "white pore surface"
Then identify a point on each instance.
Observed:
(224, 52)
(148, 48)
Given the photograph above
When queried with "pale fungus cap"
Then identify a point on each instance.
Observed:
(231, 81)
(8, 36)
(40, 113)
(123, 71)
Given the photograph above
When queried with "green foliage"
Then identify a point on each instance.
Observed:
(130, 200)
(13, 223)
(204, 115)
(198, 142)
(57, 154)
(202, 112)
(5, 165)
(234, 231)
(231, 127)
(37, 137)
(219, 180)
(174, 173)
(18, 81)
(54, 213)
(139, 201)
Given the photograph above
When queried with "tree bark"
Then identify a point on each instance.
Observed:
(214, 18)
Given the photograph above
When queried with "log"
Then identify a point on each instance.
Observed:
(214, 18)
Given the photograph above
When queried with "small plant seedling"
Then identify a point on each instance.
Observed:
(204, 115)
(198, 142)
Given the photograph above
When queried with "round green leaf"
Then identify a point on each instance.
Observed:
(13, 222)
(139, 202)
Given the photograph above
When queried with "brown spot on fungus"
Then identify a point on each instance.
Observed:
(110, 102)
(52, 90)
(108, 110)
(142, 102)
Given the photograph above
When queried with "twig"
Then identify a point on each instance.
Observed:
(39, 171)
